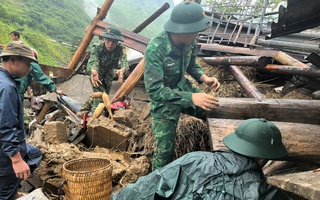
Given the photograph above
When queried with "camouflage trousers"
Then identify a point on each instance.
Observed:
(91, 104)
(164, 131)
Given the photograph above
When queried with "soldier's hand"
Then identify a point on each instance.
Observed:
(213, 83)
(95, 78)
(205, 101)
(120, 75)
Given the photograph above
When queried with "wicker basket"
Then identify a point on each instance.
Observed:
(87, 179)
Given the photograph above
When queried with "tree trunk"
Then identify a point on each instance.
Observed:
(287, 110)
(301, 140)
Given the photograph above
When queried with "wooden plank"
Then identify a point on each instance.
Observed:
(286, 110)
(304, 184)
(131, 40)
(301, 140)
(237, 50)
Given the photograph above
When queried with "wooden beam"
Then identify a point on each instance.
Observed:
(301, 140)
(154, 16)
(287, 110)
(237, 50)
(249, 89)
(131, 40)
(305, 184)
(285, 59)
(88, 37)
(238, 60)
(130, 82)
(292, 70)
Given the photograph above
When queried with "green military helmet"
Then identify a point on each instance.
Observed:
(112, 33)
(186, 17)
(257, 138)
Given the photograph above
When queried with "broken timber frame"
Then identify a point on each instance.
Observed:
(88, 37)
(132, 39)
(249, 89)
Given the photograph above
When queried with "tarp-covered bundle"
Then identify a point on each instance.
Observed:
(202, 175)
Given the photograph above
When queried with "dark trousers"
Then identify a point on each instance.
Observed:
(9, 184)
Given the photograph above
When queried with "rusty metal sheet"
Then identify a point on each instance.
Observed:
(131, 40)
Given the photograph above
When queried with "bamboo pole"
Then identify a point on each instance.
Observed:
(89, 35)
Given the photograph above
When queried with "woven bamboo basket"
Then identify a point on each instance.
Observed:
(87, 179)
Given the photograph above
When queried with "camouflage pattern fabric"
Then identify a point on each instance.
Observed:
(170, 91)
(104, 62)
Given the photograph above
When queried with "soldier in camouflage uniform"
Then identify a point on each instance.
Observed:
(103, 61)
(168, 57)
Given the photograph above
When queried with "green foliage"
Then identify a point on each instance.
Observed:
(38, 21)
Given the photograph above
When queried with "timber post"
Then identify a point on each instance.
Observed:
(89, 35)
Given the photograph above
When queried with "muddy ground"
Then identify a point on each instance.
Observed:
(192, 133)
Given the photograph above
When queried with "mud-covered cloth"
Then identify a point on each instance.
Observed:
(169, 90)
(105, 63)
(217, 175)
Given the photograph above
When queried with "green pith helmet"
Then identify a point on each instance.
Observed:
(186, 17)
(112, 33)
(256, 138)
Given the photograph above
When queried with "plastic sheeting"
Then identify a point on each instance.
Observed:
(202, 175)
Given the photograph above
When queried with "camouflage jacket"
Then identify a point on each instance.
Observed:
(105, 62)
(164, 72)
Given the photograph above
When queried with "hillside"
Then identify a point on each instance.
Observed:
(40, 21)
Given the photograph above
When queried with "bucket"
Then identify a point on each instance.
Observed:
(87, 179)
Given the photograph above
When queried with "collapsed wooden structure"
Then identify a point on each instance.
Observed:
(299, 120)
